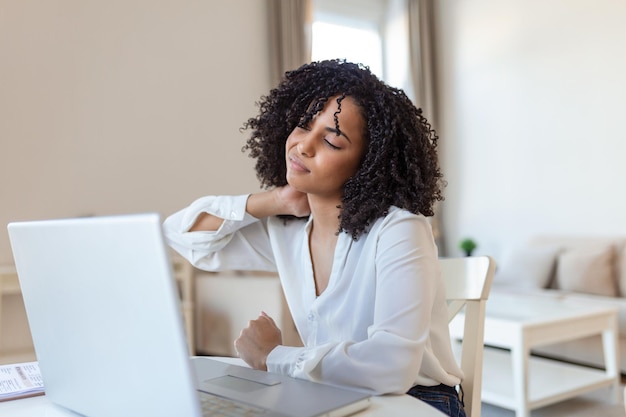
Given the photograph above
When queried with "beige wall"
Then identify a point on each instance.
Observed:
(120, 106)
(534, 103)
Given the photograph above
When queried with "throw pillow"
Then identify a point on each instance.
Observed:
(527, 266)
(588, 270)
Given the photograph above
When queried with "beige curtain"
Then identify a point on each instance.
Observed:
(290, 35)
(422, 56)
(422, 63)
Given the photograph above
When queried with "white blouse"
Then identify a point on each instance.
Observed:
(380, 325)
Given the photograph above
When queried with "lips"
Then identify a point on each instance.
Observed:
(297, 165)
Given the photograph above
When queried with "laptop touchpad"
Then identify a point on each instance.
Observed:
(236, 383)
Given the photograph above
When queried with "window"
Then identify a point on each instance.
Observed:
(355, 44)
(371, 32)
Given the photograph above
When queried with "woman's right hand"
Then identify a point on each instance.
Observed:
(294, 202)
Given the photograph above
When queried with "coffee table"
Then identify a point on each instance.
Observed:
(515, 323)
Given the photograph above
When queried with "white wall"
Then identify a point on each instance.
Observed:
(126, 106)
(534, 103)
(120, 106)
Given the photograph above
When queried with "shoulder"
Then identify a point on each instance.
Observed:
(401, 218)
(401, 227)
(401, 234)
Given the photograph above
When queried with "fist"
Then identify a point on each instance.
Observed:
(257, 340)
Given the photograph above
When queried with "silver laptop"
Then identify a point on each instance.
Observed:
(107, 327)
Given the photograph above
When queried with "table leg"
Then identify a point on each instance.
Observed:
(519, 358)
(611, 358)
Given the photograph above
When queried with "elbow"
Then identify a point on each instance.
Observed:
(395, 380)
(393, 386)
(402, 385)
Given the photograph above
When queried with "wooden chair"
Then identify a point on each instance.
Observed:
(468, 282)
(184, 275)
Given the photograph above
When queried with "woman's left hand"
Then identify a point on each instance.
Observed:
(257, 340)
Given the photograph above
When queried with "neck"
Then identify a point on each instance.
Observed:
(325, 215)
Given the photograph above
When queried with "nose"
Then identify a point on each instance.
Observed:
(305, 147)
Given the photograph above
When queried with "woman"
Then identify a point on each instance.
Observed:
(350, 171)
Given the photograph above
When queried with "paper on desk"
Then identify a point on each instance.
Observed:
(20, 380)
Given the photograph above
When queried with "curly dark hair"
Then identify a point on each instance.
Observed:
(400, 166)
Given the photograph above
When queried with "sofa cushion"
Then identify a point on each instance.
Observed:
(527, 266)
(572, 242)
(588, 270)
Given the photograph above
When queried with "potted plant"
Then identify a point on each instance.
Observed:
(467, 245)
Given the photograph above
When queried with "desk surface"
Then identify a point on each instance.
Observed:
(385, 406)
(381, 406)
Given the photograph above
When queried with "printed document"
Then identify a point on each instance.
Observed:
(20, 380)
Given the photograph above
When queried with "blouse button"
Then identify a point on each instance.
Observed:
(299, 363)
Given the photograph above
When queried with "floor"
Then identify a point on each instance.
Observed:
(594, 404)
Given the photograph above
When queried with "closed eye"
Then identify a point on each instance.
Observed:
(331, 145)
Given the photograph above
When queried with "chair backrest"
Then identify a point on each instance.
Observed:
(468, 282)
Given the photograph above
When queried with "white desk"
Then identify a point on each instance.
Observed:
(382, 406)
(385, 406)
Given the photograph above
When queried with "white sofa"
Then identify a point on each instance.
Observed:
(589, 269)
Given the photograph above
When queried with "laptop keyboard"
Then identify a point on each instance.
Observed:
(215, 406)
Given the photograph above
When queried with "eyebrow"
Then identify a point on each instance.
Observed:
(337, 132)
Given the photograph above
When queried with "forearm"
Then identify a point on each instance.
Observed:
(264, 204)
(206, 222)
(382, 364)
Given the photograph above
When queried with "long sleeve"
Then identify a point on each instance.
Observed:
(240, 243)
